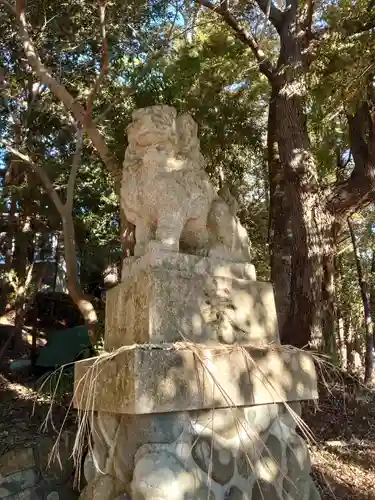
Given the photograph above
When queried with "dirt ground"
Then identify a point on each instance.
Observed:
(343, 425)
(343, 455)
(26, 413)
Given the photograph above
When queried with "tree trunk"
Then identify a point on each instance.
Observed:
(22, 267)
(365, 294)
(279, 224)
(310, 224)
(82, 302)
(330, 278)
(330, 344)
(372, 290)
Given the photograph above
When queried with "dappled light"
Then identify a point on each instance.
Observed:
(187, 250)
(166, 356)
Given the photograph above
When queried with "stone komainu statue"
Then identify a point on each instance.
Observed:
(167, 194)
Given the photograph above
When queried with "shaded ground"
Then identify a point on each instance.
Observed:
(24, 410)
(344, 428)
(343, 424)
(22, 414)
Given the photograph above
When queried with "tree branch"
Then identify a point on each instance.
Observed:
(348, 27)
(241, 34)
(75, 291)
(358, 124)
(310, 14)
(104, 64)
(359, 189)
(59, 90)
(42, 174)
(353, 26)
(308, 18)
(73, 172)
(272, 13)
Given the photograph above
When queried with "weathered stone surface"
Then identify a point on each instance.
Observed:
(138, 440)
(53, 492)
(53, 496)
(188, 266)
(273, 449)
(104, 429)
(298, 457)
(214, 309)
(103, 486)
(160, 474)
(153, 380)
(135, 431)
(268, 467)
(260, 417)
(60, 492)
(18, 481)
(89, 467)
(287, 416)
(246, 459)
(203, 493)
(296, 483)
(167, 194)
(236, 494)
(16, 460)
(225, 421)
(138, 496)
(209, 456)
(29, 494)
(43, 492)
(264, 491)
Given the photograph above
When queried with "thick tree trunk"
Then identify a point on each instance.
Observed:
(279, 224)
(365, 294)
(310, 225)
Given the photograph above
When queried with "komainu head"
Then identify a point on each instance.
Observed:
(153, 126)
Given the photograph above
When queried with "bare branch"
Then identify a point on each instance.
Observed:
(241, 34)
(272, 13)
(73, 172)
(104, 63)
(42, 174)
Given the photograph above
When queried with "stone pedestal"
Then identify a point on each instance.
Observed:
(190, 401)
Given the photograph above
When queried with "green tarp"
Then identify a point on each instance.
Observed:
(63, 346)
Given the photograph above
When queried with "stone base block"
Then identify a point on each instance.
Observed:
(155, 379)
(252, 453)
(186, 297)
(189, 265)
